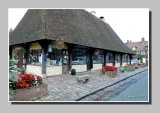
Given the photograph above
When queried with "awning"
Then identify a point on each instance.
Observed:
(35, 46)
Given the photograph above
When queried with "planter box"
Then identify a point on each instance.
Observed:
(128, 68)
(30, 94)
(111, 73)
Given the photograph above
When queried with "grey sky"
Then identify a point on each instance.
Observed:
(129, 23)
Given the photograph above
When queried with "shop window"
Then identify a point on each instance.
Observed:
(79, 55)
(54, 58)
(109, 58)
(124, 58)
(35, 57)
(117, 58)
(98, 57)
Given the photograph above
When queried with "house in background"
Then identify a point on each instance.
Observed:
(140, 48)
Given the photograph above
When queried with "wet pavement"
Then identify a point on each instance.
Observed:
(136, 91)
(134, 88)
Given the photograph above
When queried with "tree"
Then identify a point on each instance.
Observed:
(140, 57)
(10, 30)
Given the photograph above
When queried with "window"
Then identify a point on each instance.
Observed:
(98, 56)
(134, 48)
(117, 58)
(124, 58)
(146, 47)
(79, 55)
(54, 58)
(35, 57)
(109, 57)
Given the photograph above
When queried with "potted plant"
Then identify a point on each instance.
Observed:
(73, 72)
(110, 70)
(28, 88)
(20, 52)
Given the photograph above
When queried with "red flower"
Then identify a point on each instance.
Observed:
(110, 68)
(39, 79)
(27, 85)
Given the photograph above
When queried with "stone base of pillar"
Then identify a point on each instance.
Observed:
(44, 77)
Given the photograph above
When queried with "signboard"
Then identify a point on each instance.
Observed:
(60, 44)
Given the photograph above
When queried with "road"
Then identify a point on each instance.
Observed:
(137, 91)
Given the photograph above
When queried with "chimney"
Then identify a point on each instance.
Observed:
(127, 41)
(102, 18)
(142, 40)
(130, 41)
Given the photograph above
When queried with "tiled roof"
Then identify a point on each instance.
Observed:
(139, 45)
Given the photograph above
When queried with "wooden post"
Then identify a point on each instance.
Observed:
(44, 45)
(90, 58)
(105, 53)
(44, 59)
(70, 57)
(27, 47)
(114, 55)
(130, 58)
(127, 58)
(121, 59)
(10, 52)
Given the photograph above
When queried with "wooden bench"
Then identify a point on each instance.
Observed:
(83, 78)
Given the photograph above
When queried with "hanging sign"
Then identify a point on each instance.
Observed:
(60, 43)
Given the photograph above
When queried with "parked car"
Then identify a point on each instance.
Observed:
(79, 60)
(134, 61)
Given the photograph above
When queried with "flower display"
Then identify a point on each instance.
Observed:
(39, 79)
(109, 68)
(129, 65)
(28, 80)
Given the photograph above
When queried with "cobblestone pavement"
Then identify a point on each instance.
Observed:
(67, 88)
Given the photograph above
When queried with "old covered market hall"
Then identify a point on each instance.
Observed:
(58, 40)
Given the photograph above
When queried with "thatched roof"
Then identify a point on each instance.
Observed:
(75, 26)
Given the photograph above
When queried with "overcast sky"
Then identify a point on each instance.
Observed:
(129, 24)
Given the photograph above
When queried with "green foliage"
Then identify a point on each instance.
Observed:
(139, 56)
(12, 77)
(73, 72)
(11, 91)
(12, 67)
(21, 51)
